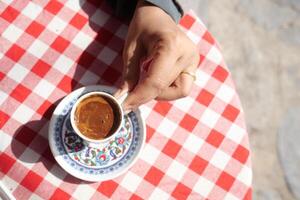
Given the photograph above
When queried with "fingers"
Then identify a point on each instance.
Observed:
(163, 79)
(179, 89)
(131, 57)
(160, 75)
(182, 86)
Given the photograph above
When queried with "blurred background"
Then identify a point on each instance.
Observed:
(260, 40)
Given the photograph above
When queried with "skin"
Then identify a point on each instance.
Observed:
(154, 36)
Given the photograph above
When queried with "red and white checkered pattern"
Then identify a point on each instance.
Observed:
(196, 148)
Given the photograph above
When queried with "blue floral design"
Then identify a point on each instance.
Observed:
(59, 144)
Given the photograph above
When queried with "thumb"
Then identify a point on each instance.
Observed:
(124, 88)
(131, 71)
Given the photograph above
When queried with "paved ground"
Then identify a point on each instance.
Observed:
(260, 40)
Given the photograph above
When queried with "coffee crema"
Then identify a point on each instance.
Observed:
(95, 117)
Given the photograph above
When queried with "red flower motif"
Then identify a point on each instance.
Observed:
(121, 140)
(103, 157)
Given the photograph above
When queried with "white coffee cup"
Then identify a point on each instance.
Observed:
(117, 104)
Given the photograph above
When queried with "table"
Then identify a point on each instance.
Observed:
(196, 147)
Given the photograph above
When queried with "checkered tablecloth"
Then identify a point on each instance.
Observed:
(196, 147)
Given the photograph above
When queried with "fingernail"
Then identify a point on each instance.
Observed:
(127, 109)
(126, 112)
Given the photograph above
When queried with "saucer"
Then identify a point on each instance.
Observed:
(102, 162)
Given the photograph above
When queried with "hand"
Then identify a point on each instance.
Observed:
(153, 35)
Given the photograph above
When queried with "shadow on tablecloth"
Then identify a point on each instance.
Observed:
(105, 63)
(34, 134)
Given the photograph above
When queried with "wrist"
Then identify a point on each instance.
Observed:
(170, 7)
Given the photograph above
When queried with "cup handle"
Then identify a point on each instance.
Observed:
(122, 98)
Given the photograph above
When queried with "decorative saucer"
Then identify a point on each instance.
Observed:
(107, 161)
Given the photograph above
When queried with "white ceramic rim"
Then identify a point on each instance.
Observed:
(72, 118)
(59, 158)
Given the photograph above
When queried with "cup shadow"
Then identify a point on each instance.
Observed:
(34, 134)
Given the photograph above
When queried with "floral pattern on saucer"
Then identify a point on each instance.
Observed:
(65, 145)
(104, 155)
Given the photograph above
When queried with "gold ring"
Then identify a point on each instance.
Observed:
(190, 73)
